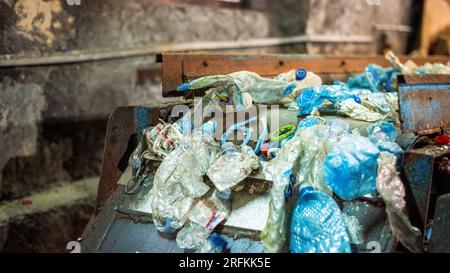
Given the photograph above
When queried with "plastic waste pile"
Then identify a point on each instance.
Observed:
(314, 166)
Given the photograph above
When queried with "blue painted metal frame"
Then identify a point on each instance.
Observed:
(424, 102)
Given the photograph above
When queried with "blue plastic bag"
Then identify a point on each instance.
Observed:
(318, 225)
(375, 78)
(383, 135)
(351, 168)
(308, 122)
(313, 97)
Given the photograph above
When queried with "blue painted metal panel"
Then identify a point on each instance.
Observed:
(424, 102)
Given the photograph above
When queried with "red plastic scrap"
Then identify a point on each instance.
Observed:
(442, 140)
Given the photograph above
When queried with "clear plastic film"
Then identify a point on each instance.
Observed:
(316, 141)
(358, 111)
(318, 225)
(203, 219)
(179, 182)
(412, 68)
(391, 189)
(262, 90)
(274, 235)
(350, 169)
(235, 164)
(303, 158)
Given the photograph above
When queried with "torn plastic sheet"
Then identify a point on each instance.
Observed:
(374, 78)
(391, 189)
(410, 67)
(179, 179)
(262, 90)
(275, 233)
(233, 166)
(203, 219)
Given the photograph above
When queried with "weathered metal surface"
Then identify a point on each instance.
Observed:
(179, 67)
(419, 168)
(424, 102)
(127, 236)
(125, 125)
(440, 233)
(372, 226)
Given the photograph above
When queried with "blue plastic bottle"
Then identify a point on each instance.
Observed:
(317, 224)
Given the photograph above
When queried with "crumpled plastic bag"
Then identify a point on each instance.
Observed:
(179, 182)
(358, 111)
(375, 78)
(314, 147)
(233, 166)
(314, 97)
(204, 217)
(350, 169)
(410, 67)
(318, 225)
(383, 134)
(310, 80)
(262, 90)
(283, 89)
(391, 189)
(309, 121)
(302, 158)
(275, 233)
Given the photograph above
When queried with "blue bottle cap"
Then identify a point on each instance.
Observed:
(300, 74)
(183, 87)
(357, 99)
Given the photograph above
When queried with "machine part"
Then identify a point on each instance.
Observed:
(440, 230)
(418, 171)
(425, 94)
(444, 166)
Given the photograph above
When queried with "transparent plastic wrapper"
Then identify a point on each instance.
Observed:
(275, 232)
(179, 182)
(235, 164)
(302, 156)
(163, 139)
(262, 90)
(391, 189)
(318, 225)
(358, 111)
(375, 78)
(350, 169)
(316, 142)
(412, 68)
(203, 219)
